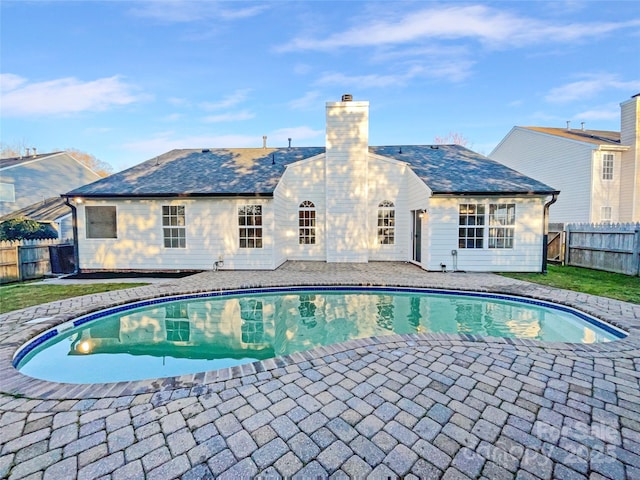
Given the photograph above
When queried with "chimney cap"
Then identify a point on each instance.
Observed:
(347, 97)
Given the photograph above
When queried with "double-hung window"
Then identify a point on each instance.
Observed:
(607, 166)
(386, 223)
(307, 223)
(174, 226)
(471, 225)
(502, 221)
(250, 225)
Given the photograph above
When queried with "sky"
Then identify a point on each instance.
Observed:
(128, 80)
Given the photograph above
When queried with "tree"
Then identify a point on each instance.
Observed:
(24, 229)
(454, 138)
(100, 167)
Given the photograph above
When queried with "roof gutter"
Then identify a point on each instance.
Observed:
(167, 195)
(545, 236)
(497, 194)
(74, 224)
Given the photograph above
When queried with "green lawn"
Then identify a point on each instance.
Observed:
(27, 294)
(595, 282)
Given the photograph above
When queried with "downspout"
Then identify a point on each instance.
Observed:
(545, 236)
(74, 226)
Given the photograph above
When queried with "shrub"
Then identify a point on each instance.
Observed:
(25, 229)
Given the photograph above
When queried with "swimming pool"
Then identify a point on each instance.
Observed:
(195, 333)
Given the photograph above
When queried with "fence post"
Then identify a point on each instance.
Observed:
(567, 241)
(636, 250)
(18, 263)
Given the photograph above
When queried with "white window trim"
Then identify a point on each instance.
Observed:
(170, 227)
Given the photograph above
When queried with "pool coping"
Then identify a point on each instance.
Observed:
(14, 383)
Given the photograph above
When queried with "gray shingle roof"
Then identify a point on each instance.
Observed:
(220, 171)
(456, 169)
(48, 210)
(257, 171)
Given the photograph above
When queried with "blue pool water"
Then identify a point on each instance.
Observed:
(197, 333)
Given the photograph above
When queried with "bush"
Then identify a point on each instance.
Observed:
(25, 229)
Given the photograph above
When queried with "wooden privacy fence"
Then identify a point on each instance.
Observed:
(610, 247)
(24, 260)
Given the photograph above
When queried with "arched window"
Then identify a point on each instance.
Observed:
(386, 223)
(307, 223)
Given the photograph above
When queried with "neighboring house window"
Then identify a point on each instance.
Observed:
(307, 223)
(173, 226)
(605, 214)
(607, 166)
(101, 222)
(386, 223)
(250, 223)
(471, 226)
(7, 192)
(502, 221)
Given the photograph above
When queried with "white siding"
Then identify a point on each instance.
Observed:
(606, 193)
(301, 181)
(419, 199)
(630, 175)
(388, 180)
(346, 192)
(562, 164)
(211, 233)
(526, 256)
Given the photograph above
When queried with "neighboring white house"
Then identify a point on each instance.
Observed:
(255, 208)
(33, 178)
(597, 171)
(53, 212)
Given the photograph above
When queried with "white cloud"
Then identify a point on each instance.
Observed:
(491, 26)
(163, 142)
(187, 11)
(309, 100)
(64, 95)
(230, 117)
(9, 81)
(296, 134)
(229, 101)
(589, 86)
(454, 71)
(166, 141)
(607, 112)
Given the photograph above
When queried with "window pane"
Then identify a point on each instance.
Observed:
(101, 222)
(249, 222)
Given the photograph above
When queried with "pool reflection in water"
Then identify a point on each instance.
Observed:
(198, 335)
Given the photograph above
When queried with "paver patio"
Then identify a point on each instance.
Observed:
(412, 406)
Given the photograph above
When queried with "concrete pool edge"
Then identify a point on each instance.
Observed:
(15, 384)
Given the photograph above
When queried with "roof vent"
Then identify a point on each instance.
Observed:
(264, 141)
(582, 126)
(347, 97)
(568, 124)
(205, 150)
(289, 142)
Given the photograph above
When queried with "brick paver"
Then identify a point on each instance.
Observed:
(425, 405)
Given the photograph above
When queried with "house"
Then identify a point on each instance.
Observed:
(53, 212)
(439, 206)
(32, 178)
(597, 171)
